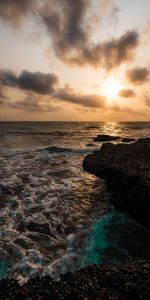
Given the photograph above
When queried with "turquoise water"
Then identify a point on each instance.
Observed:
(3, 268)
(115, 238)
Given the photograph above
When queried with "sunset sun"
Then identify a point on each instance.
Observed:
(111, 88)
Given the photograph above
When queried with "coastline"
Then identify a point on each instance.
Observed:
(126, 170)
(127, 281)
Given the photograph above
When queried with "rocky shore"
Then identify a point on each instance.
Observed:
(126, 169)
(127, 282)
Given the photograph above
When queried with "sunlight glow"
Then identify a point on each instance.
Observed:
(111, 88)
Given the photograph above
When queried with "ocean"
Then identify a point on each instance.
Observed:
(55, 217)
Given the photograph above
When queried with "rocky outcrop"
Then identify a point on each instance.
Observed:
(126, 168)
(129, 281)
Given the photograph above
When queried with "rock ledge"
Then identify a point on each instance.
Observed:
(126, 168)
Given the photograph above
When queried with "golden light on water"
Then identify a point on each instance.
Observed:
(111, 88)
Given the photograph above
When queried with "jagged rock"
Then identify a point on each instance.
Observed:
(126, 168)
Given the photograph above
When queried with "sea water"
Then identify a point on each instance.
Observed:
(54, 217)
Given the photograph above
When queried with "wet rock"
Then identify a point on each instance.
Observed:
(106, 138)
(126, 168)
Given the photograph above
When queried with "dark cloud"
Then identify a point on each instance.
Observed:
(30, 102)
(109, 54)
(71, 25)
(64, 21)
(70, 28)
(69, 95)
(138, 75)
(126, 93)
(27, 104)
(37, 82)
(39, 87)
(13, 11)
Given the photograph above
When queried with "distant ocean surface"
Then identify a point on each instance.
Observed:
(54, 217)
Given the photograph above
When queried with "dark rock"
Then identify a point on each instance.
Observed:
(106, 138)
(126, 168)
(127, 140)
(144, 140)
(90, 145)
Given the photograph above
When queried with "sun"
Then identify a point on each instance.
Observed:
(111, 88)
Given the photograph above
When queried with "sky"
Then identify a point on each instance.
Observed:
(74, 60)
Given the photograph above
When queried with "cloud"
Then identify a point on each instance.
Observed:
(30, 102)
(70, 95)
(37, 82)
(32, 105)
(126, 93)
(71, 25)
(13, 11)
(109, 54)
(43, 88)
(127, 109)
(138, 75)
(64, 21)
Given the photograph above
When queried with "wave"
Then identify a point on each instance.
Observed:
(55, 149)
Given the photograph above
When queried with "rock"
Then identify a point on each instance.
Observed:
(126, 168)
(106, 138)
(90, 145)
(127, 140)
(144, 140)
